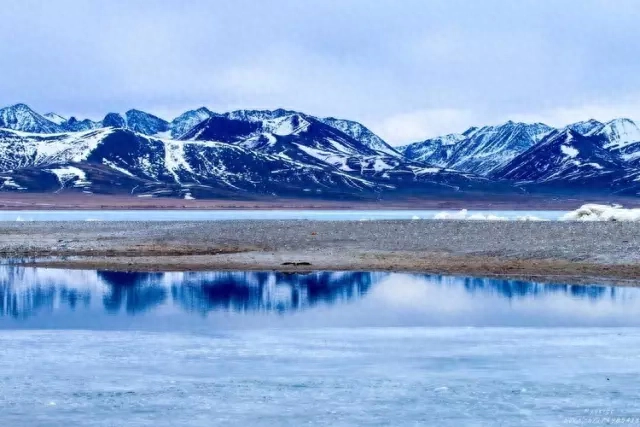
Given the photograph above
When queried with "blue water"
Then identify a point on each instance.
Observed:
(200, 349)
(217, 215)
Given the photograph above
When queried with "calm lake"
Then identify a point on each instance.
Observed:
(220, 215)
(103, 348)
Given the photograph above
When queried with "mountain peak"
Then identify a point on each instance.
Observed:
(622, 121)
(203, 110)
(586, 127)
(21, 106)
(55, 118)
(114, 120)
(145, 123)
(362, 134)
(620, 132)
(21, 117)
(189, 120)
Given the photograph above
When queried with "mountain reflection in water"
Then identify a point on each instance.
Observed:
(27, 292)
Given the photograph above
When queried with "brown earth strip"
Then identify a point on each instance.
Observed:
(544, 251)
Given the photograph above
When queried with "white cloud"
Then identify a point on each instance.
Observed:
(418, 125)
(408, 73)
(399, 129)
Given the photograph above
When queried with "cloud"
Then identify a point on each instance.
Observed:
(562, 116)
(411, 72)
(419, 125)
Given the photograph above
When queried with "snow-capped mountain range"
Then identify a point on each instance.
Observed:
(585, 156)
(202, 154)
(248, 153)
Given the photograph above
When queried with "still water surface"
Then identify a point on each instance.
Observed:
(105, 348)
(220, 215)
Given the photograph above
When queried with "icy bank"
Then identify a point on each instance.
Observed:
(465, 215)
(594, 212)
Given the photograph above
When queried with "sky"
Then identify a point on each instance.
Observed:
(407, 69)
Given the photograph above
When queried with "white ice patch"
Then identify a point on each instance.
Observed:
(464, 215)
(529, 218)
(55, 118)
(594, 212)
(188, 196)
(452, 215)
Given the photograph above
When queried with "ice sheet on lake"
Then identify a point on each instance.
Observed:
(464, 214)
(587, 212)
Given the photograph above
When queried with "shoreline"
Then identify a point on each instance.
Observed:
(571, 253)
(75, 201)
(535, 270)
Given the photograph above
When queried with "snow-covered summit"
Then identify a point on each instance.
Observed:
(435, 151)
(114, 120)
(362, 134)
(620, 133)
(145, 123)
(55, 118)
(479, 150)
(21, 117)
(188, 120)
(586, 127)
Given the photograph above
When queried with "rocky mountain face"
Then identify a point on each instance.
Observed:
(587, 156)
(564, 156)
(479, 150)
(435, 151)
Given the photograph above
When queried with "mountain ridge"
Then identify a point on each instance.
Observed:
(202, 153)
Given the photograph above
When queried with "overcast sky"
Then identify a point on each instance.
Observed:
(408, 69)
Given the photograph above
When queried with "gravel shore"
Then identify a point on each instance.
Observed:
(554, 251)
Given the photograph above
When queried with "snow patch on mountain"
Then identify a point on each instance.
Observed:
(175, 160)
(569, 151)
(361, 133)
(115, 167)
(288, 125)
(70, 173)
(55, 118)
(8, 183)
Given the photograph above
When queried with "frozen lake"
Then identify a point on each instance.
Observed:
(218, 215)
(104, 348)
